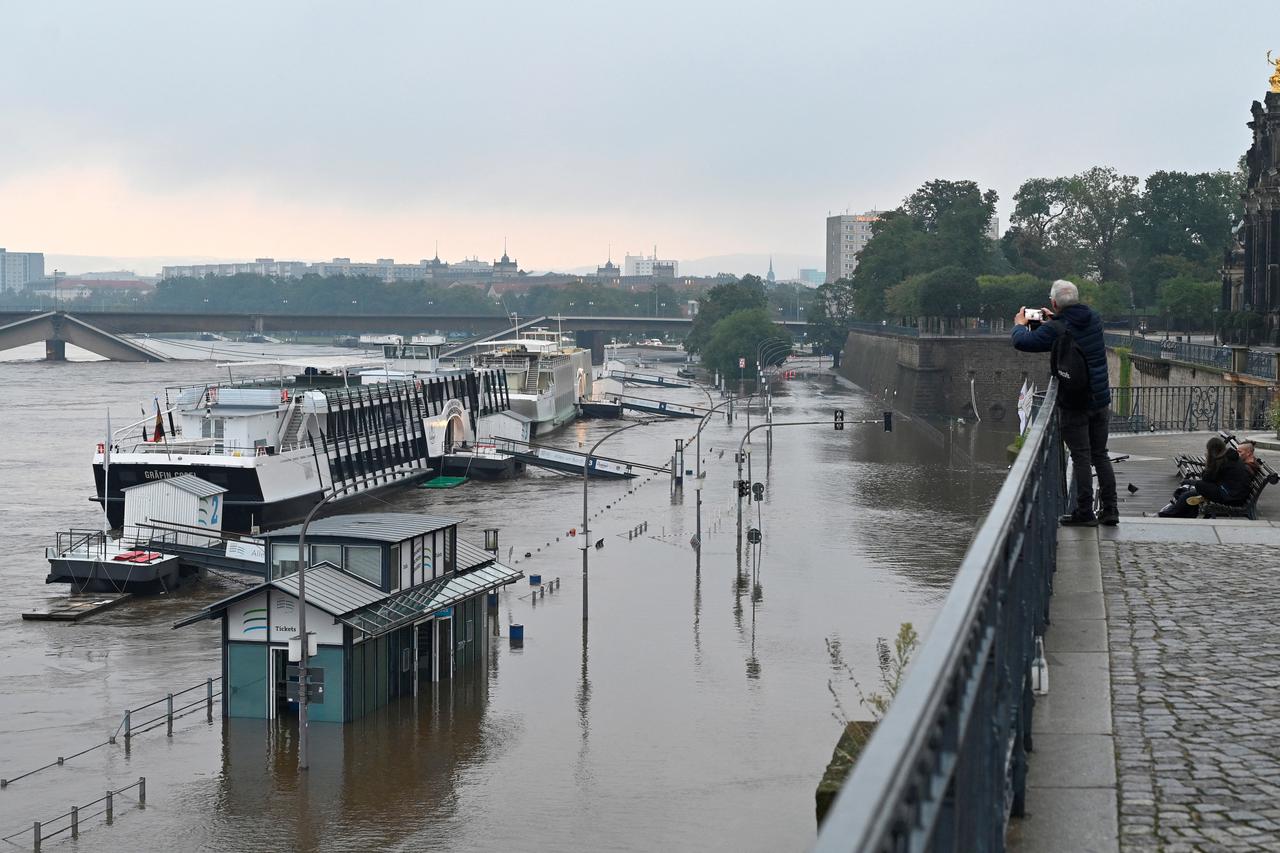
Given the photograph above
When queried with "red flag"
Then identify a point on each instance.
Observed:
(158, 435)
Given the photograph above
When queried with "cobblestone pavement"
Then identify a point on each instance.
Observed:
(1195, 673)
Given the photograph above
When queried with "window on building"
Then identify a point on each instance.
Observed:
(365, 562)
(284, 559)
(326, 554)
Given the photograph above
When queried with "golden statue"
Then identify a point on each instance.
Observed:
(1275, 76)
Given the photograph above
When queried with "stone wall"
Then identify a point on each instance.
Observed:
(931, 376)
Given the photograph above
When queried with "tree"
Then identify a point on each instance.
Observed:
(1000, 297)
(1101, 203)
(1189, 302)
(721, 301)
(831, 311)
(957, 215)
(738, 336)
(1035, 242)
(1188, 215)
(949, 292)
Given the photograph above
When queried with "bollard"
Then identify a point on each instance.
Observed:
(142, 791)
(36, 843)
(127, 726)
(208, 702)
(75, 821)
(110, 806)
(169, 715)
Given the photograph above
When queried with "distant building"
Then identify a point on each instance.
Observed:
(609, 272)
(769, 276)
(92, 288)
(642, 265)
(811, 277)
(847, 234)
(259, 266)
(19, 268)
(505, 268)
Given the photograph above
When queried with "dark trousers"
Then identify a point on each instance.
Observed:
(1085, 434)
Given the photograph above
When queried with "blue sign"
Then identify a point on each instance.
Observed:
(444, 614)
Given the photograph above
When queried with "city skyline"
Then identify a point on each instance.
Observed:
(245, 145)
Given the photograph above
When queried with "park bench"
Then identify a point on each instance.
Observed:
(1263, 477)
(1191, 465)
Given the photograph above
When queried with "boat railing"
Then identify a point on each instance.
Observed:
(94, 544)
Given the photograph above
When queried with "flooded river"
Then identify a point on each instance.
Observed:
(692, 712)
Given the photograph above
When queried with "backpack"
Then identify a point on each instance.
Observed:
(1067, 362)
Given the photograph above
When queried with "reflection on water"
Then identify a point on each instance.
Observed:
(690, 712)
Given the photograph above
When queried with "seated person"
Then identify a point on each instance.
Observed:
(1248, 456)
(1225, 480)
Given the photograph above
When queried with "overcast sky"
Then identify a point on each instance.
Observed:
(373, 129)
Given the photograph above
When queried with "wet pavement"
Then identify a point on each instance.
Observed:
(691, 712)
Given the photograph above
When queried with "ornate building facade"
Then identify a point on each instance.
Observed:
(1251, 277)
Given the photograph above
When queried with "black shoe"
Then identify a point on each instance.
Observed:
(1079, 519)
(1110, 516)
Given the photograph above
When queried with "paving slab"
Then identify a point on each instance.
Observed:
(1068, 820)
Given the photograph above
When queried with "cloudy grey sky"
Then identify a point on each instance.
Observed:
(373, 129)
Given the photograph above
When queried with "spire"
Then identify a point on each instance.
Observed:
(770, 276)
(504, 250)
(437, 258)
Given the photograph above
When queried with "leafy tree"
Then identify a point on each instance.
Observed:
(903, 300)
(1189, 302)
(1187, 215)
(949, 292)
(721, 301)
(1035, 242)
(1110, 299)
(829, 315)
(1000, 297)
(957, 215)
(739, 335)
(1102, 201)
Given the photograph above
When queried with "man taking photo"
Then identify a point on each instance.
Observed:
(1072, 334)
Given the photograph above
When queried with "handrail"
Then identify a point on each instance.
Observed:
(940, 765)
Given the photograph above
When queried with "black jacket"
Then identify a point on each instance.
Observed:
(1234, 477)
(1086, 328)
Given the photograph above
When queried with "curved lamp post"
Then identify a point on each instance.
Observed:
(303, 561)
(586, 543)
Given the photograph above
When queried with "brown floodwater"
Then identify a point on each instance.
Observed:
(690, 712)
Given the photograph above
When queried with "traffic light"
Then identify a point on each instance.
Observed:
(744, 489)
(888, 421)
(839, 419)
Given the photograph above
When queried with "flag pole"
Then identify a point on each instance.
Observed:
(106, 479)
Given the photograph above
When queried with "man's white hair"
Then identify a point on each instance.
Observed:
(1064, 293)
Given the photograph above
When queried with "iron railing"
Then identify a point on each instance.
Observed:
(1190, 408)
(946, 766)
(1261, 364)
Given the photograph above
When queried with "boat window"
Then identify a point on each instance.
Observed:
(365, 562)
(284, 559)
(326, 554)
(212, 427)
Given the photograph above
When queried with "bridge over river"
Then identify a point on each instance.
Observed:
(109, 327)
(1161, 726)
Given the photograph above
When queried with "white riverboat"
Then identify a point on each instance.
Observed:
(278, 443)
(547, 378)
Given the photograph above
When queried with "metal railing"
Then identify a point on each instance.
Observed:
(1261, 364)
(40, 829)
(1190, 408)
(130, 728)
(946, 766)
(983, 329)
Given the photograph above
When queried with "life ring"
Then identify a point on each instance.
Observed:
(101, 447)
(284, 395)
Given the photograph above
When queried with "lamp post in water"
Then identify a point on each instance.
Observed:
(303, 679)
(586, 541)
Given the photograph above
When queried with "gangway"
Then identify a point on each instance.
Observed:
(658, 380)
(510, 332)
(570, 461)
(656, 407)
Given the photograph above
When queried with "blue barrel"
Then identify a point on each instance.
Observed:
(535, 580)
(517, 633)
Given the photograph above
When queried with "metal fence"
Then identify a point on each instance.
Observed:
(1261, 364)
(946, 767)
(1190, 408)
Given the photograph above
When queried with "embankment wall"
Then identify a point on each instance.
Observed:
(931, 376)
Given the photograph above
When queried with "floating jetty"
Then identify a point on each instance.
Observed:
(73, 608)
(571, 461)
(656, 379)
(657, 407)
(596, 409)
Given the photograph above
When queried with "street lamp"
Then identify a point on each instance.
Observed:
(586, 538)
(303, 679)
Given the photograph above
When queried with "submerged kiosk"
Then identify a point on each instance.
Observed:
(394, 602)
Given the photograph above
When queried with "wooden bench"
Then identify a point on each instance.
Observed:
(1262, 477)
(1191, 466)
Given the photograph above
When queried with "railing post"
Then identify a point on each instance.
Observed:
(75, 821)
(35, 844)
(169, 715)
(127, 726)
(110, 806)
(142, 791)
(208, 689)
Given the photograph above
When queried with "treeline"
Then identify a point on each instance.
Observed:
(1154, 248)
(736, 320)
(313, 294)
